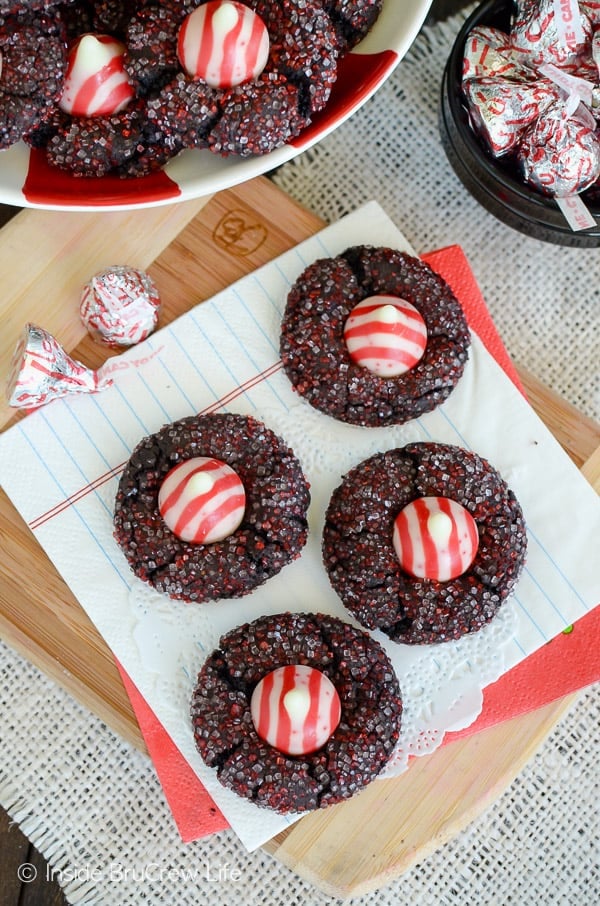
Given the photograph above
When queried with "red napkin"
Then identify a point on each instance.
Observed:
(567, 663)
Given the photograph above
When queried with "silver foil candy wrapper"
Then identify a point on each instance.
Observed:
(501, 110)
(119, 306)
(41, 371)
(559, 156)
(541, 37)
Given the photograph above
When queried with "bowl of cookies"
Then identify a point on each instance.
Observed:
(111, 105)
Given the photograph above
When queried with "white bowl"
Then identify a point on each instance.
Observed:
(27, 181)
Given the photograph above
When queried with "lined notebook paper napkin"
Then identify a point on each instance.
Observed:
(60, 466)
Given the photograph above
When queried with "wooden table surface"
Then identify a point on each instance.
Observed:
(15, 849)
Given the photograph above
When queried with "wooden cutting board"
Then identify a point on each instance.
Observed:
(193, 250)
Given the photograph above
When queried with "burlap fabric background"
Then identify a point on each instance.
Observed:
(93, 805)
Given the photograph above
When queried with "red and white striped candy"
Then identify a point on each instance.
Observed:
(96, 83)
(295, 709)
(386, 335)
(223, 43)
(202, 500)
(435, 538)
(119, 306)
(41, 371)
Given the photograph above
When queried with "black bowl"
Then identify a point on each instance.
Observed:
(493, 181)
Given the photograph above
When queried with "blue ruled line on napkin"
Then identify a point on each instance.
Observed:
(108, 555)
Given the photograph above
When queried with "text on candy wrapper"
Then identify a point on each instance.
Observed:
(575, 212)
(119, 363)
(568, 23)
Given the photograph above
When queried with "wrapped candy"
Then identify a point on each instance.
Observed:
(560, 156)
(591, 8)
(488, 52)
(541, 36)
(119, 306)
(502, 110)
(533, 95)
(41, 371)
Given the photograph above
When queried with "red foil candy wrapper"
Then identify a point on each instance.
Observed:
(41, 371)
(119, 306)
(489, 53)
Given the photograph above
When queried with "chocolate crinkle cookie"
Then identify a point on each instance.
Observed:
(314, 349)
(225, 717)
(273, 527)
(248, 102)
(363, 559)
(33, 61)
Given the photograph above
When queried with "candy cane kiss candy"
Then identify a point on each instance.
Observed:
(386, 335)
(295, 709)
(119, 306)
(435, 538)
(223, 43)
(96, 83)
(42, 371)
(202, 500)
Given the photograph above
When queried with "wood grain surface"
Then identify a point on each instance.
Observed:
(192, 251)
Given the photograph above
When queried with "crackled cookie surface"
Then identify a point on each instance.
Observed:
(362, 558)
(361, 737)
(316, 334)
(270, 533)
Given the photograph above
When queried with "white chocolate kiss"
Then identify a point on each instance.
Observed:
(202, 500)
(389, 314)
(439, 526)
(224, 20)
(96, 82)
(200, 483)
(297, 703)
(223, 43)
(435, 538)
(386, 335)
(295, 709)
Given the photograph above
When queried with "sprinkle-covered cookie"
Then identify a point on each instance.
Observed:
(424, 542)
(238, 77)
(33, 62)
(296, 711)
(319, 329)
(151, 524)
(353, 18)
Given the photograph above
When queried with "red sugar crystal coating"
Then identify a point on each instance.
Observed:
(271, 534)
(361, 562)
(306, 39)
(33, 63)
(315, 355)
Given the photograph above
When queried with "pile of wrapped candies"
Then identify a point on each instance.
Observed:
(533, 94)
